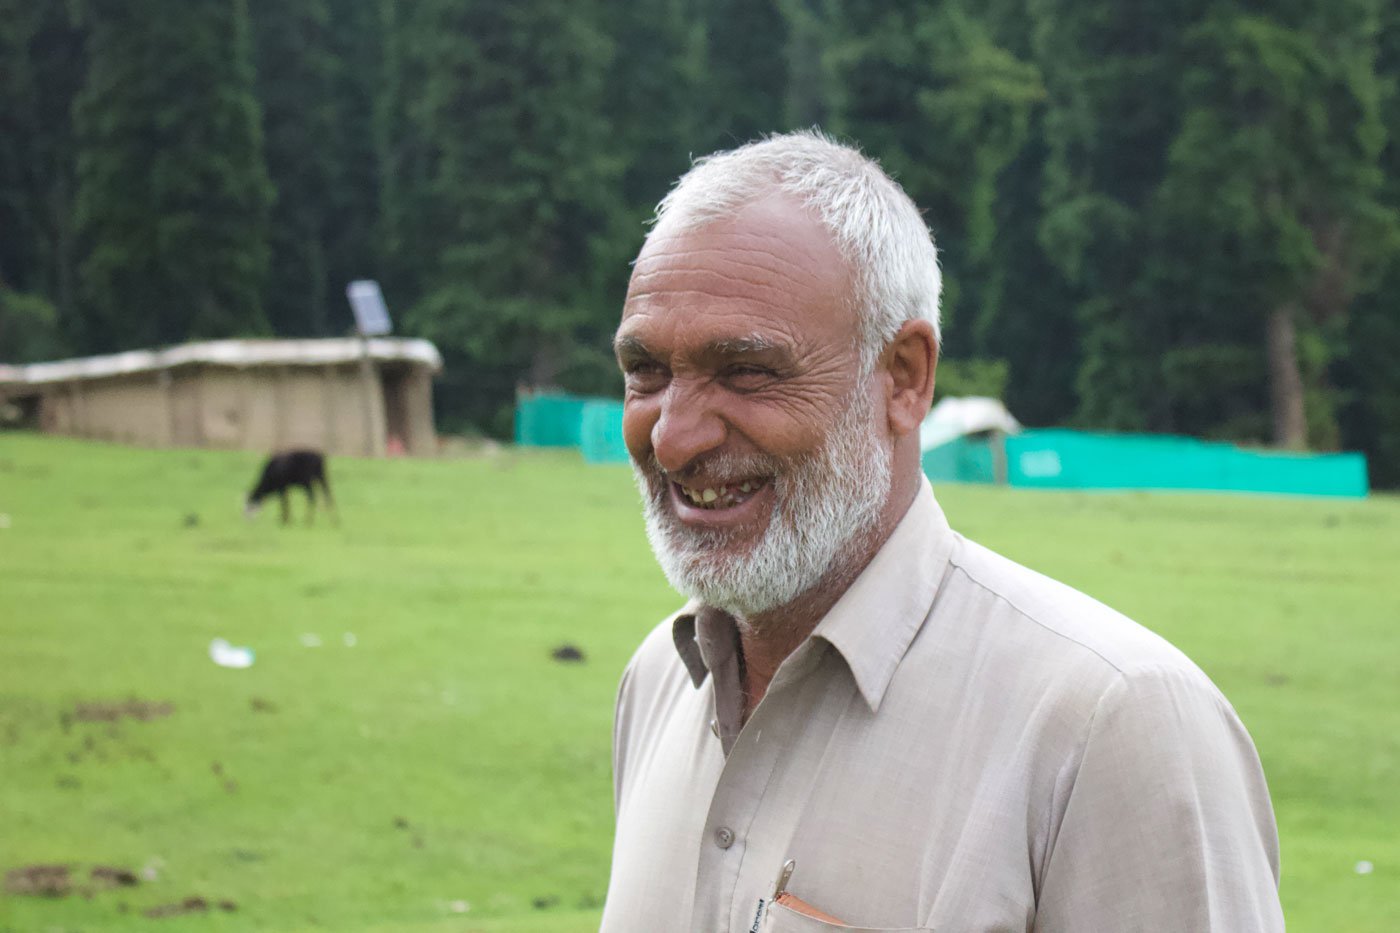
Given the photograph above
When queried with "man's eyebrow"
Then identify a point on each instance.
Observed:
(632, 346)
(629, 347)
(737, 346)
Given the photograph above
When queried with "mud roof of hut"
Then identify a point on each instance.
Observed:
(233, 353)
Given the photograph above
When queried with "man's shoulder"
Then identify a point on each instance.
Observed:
(1053, 624)
(658, 648)
(656, 660)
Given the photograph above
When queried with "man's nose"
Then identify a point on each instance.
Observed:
(688, 426)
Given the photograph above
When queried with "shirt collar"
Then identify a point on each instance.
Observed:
(874, 621)
(707, 645)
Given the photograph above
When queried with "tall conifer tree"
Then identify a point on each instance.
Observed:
(1112, 75)
(41, 69)
(1272, 196)
(317, 65)
(296, 70)
(499, 190)
(945, 109)
(172, 189)
(1367, 374)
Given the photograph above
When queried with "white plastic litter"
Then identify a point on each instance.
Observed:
(311, 640)
(226, 655)
(1364, 868)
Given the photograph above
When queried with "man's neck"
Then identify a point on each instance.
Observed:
(766, 639)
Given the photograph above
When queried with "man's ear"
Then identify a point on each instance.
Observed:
(910, 362)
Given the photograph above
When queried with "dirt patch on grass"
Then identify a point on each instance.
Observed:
(106, 711)
(190, 905)
(110, 876)
(39, 880)
(54, 880)
(61, 880)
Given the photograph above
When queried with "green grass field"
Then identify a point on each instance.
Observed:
(444, 773)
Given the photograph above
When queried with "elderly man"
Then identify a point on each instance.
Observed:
(862, 719)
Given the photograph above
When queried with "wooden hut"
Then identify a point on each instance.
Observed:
(341, 395)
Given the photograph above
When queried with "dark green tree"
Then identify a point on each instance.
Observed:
(499, 191)
(654, 105)
(1271, 206)
(41, 69)
(1367, 376)
(296, 71)
(946, 110)
(747, 71)
(173, 193)
(353, 247)
(1212, 194)
(318, 64)
(1027, 319)
(29, 328)
(1114, 104)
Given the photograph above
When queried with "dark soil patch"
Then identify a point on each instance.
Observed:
(141, 710)
(39, 880)
(568, 654)
(110, 876)
(190, 905)
(61, 880)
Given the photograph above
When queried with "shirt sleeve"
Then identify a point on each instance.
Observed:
(621, 711)
(1168, 824)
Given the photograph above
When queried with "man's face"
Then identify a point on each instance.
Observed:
(756, 442)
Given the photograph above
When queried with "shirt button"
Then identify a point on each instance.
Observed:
(724, 837)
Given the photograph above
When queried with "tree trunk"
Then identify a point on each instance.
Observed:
(1286, 381)
(545, 364)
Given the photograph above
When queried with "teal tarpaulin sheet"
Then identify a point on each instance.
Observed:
(601, 432)
(549, 420)
(961, 460)
(1063, 459)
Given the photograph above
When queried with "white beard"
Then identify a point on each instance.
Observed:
(827, 505)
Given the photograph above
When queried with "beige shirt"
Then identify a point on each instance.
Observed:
(961, 745)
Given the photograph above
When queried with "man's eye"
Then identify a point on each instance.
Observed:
(749, 377)
(644, 374)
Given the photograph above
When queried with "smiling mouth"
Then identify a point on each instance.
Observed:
(721, 497)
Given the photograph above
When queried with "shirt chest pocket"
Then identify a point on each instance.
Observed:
(783, 919)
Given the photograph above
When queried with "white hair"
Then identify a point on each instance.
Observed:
(874, 225)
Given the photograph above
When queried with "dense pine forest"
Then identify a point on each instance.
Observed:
(1178, 217)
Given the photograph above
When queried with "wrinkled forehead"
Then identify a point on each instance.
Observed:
(772, 265)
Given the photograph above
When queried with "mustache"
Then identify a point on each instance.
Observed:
(719, 466)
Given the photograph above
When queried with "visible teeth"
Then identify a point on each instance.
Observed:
(720, 496)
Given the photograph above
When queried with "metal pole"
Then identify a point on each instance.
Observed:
(367, 383)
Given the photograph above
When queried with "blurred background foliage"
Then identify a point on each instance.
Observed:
(1175, 218)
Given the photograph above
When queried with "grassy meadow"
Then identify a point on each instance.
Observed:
(405, 754)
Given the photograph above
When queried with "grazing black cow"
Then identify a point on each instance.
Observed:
(304, 468)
